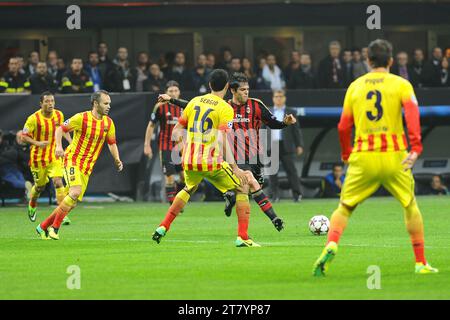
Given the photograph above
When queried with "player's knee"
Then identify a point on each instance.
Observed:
(170, 179)
(346, 209)
(58, 183)
(75, 193)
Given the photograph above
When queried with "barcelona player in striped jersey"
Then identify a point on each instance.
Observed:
(373, 105)
(90, 131)
(167, 114)
(249, 116)
(208, 154)
(39, 132)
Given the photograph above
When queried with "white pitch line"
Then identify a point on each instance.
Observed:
(268, 244)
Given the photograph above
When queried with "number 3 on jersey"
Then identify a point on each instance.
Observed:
(378, 106)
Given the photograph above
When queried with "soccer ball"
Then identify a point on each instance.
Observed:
(319, 225)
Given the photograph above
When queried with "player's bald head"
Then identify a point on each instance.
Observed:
(101, 101)
(380, 53)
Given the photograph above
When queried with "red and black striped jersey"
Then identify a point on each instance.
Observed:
(248, 119)
(167, 115)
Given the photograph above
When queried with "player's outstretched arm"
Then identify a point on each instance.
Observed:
(115, 153)
(178, 102)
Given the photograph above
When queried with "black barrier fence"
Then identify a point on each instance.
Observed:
(131, 113)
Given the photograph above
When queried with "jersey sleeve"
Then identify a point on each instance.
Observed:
(226, 117)
(73, 124)
(156, 114)
(111, 135)
(345, 125)
(412, 117)
(183, 120)
(29, 127)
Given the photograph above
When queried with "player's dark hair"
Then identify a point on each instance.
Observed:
(44, 94)
(236, 79)
(218, 79)
(380, 53)
(172, 83)
(97, 96)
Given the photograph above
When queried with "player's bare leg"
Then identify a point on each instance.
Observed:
(414, 226)
(32, 204)
(53, 222)
(338, 223)
(60, 195)
(174, 210)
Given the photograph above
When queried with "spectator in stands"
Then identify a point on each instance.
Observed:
(417, 66)
(106, 67)
(155, 81)
(52, 63)
(403, 69)
(365, 58)
(21, 64)
(202, 61)
(359, 68)
(331, 72)
(200, 79)
(290, 145)
(12, 81)
(235, 65)
(33, 59)
(142, 70)
(334, 181)
(94, 71)
(76, 80)
(261, 83)
(347, 60)
(437, 187)
(211, 61)
(247, 69)
(303, 77)
(124, 78)
(445, 78)
(431, 73)
(293, 65)
(272, 73)
(225, 55)
(42, 81)
(179, 72)
(10, 162)
(61, 70)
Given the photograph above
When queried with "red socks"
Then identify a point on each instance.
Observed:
(172, 213)
(243, 214)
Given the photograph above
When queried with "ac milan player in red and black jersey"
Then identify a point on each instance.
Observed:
(167, 114)
(249, 115)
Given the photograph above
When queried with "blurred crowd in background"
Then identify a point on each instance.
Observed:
(118, 72)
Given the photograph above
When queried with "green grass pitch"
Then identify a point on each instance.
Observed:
(111, 244)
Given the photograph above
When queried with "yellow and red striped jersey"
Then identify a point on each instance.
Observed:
(40, 128)
(373, 104)
(203, 117)
(88, 139)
